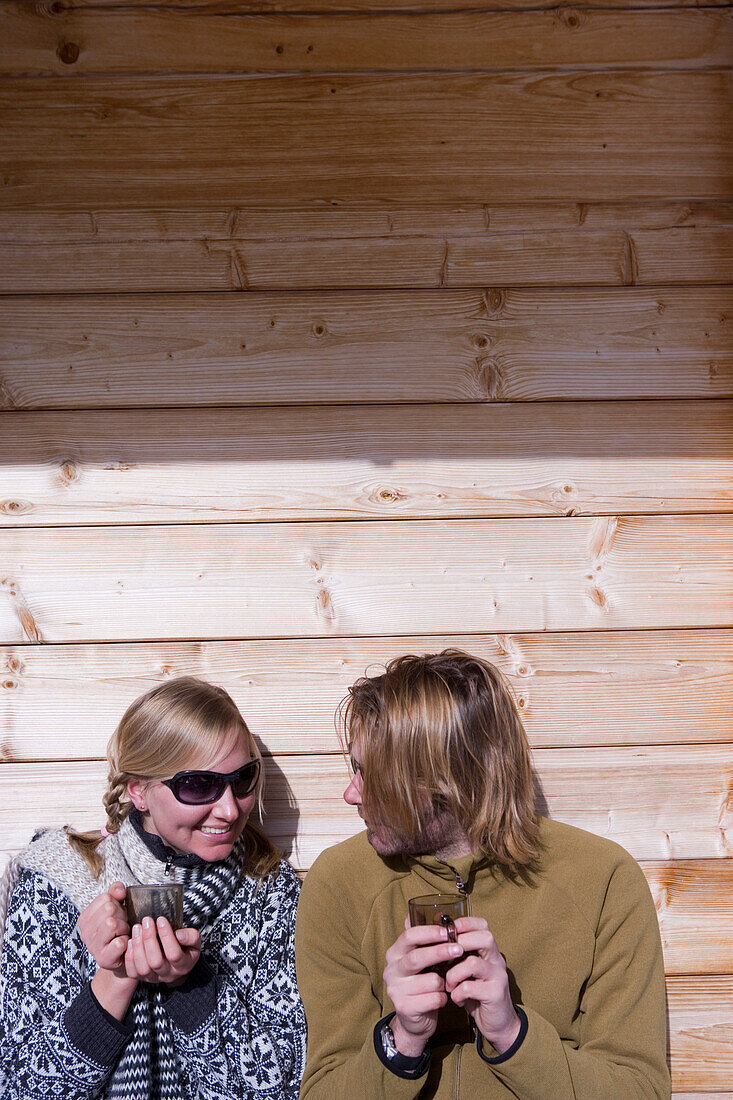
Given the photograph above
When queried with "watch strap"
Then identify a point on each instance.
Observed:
(399, 1064)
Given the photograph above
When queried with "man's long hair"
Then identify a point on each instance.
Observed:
(442, 732)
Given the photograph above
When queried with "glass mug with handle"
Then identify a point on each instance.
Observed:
(443, 910)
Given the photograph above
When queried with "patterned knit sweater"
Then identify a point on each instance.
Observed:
(237, 1021)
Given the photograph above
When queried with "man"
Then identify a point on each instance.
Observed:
(555, 986)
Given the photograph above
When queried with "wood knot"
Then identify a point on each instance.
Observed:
(13, 664)
(494, 301)
(570, 17)
(279, 49)
(388, 496)
(598, 597)
(69, 472)
(480, 340)
(492, 379)
(319, 329)
(324, 606)
(15, 507)
(10, 685)
(56, 7)
(68, 53)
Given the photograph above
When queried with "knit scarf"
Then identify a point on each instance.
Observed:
(148, 1069)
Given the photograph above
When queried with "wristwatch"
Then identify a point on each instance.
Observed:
(388, 1042)
(400, 1064)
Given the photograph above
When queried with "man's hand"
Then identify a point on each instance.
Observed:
(417, 996)
(479, 983)
(162, 955)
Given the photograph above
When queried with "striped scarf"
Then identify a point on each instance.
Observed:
(148, 1069)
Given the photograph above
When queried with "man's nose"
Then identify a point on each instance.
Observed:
(352, 794)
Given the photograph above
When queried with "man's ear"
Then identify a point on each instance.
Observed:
(136, 788)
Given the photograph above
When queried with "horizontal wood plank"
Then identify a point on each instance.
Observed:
(694, 255)
(597, 257)
(38, 39)
(233, 7)
(348, 462)
(594, 789)
(344, 221)
(400, 346)
(599, 688)
(701, 1032)
(694, 901)
(280, 580)
(461, 138)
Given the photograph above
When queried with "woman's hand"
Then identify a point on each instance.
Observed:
(480, 984)
(104, 930)
(417, 996)
(160, 955)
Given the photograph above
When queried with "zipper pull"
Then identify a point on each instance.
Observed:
(460, 884)
(169, 863)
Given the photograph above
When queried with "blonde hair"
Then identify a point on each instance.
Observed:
(179, 724)
(442, 731)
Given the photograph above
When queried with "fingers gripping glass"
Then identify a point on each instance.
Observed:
(200, 788)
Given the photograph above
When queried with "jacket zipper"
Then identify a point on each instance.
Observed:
(168, 863)
(461, 887)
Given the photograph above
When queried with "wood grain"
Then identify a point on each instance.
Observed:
(348, 462)
(343, 221)
(202, 40)
(594, 789)
(701, 1032)
(382, 346)
(599, 688)
(460, 138)
(694, 901)
(325, 579)
(596, 257)
(224, 7)
(577, 257)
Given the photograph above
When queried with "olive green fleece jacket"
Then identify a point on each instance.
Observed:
(583, 952)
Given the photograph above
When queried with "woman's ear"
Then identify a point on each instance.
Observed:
(136, 789)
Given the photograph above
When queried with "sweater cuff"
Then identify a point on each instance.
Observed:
(96, 1033)
(400, 1064)
(523, 1025)
(192, 1003)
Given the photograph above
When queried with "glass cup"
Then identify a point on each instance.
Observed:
(155, 901)
(442, 909)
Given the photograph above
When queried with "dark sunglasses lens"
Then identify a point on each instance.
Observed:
(246, 780)
(196, 788)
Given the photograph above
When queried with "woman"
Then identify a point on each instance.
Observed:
(90, 1007)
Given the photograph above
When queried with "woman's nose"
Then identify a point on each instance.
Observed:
(226, 807)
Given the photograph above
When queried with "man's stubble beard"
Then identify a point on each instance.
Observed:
(440, 833)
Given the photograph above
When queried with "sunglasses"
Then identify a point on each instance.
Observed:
(200, 788)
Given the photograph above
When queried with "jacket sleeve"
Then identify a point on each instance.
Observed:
(55, 1039)
(340, 1006)
(622, 1044)
(238, 1022)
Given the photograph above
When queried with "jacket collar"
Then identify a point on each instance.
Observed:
(448, 874)
(159, 849)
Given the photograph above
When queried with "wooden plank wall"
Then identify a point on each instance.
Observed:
(336, 330)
